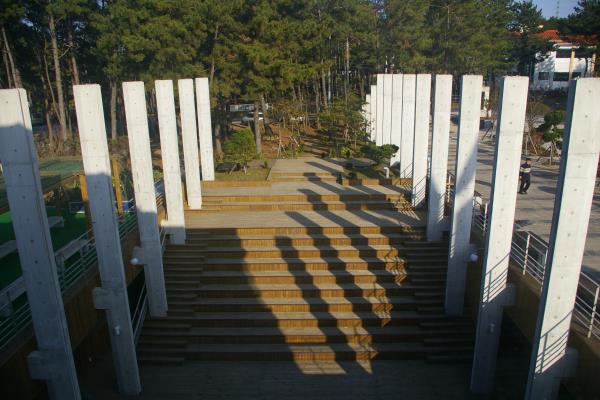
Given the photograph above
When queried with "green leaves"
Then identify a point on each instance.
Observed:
(240, 148)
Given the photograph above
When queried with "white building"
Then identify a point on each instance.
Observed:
(562, 64)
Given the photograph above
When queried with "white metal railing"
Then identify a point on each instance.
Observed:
(530, 253)
(15, 314)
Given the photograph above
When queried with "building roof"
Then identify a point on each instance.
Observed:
(553, 35)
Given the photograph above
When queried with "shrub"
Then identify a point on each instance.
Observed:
(379, 153)
(240, 148)
(551, 121)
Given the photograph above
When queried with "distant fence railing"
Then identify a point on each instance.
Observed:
(15, 314)
(530, 253)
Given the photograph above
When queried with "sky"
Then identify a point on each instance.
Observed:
(549, 7)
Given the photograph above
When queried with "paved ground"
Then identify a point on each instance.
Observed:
(307, 165)
(534, 210)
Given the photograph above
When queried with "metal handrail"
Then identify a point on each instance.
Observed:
(530, 253)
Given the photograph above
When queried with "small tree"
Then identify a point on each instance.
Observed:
(551, 121)
(379, 153)
(240, 148)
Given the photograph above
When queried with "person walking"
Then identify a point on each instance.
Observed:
(525, 176)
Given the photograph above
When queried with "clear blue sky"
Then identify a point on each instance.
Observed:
(549, 7)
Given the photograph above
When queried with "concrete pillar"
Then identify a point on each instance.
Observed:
(373, 112)
(438, 170)
(550, 359)
(205, 129)
(387, 108)
(189, 136)
(169, 146)
(409, 84)
(462, 210)
(379, 115)
(396, 115)
(149, 253)
(495, 294)
(112, 293)
(421, 139)
(53, 361)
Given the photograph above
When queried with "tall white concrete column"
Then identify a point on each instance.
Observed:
(149, 253)
(409, 85)
(189, 136)
(438, 170)
(373, 112)
(112, 293)
(205, 129)
(53, 361)
(550, 359)
(169, 146)
(387, 108)
(462, 210)
(396, 115)
(495, 294)
(421, 139)
(379, 115)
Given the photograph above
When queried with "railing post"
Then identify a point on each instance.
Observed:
(593, 316)
(526, 255)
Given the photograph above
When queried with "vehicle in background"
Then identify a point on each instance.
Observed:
(250, 117)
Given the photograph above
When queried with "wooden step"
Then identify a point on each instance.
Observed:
(336, 251)
(299, 304)
(319, 335)
(292, 264)
(303, 319)
(306, 230)
(304, 352)
(302, 240)
(355, 195)
(309, 290)
(398, 205)
(288, 277)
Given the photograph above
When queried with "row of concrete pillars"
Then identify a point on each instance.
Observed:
(409, 111)
(53, 361)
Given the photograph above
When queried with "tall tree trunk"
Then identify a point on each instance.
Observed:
(347, 80)
(212, 61)
(72, 59)
(265, 111)
(329, 85)
(324, 87)
(257, 129)
(113, 110)
(317, 95)
(49, 87)
(7, 66)
(16, 76)
(218, 146)
(47, 103)
(62, 117)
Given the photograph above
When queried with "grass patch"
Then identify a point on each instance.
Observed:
(10, 266)
(253, 174)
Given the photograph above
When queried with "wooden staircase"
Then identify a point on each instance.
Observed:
(305, 293)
